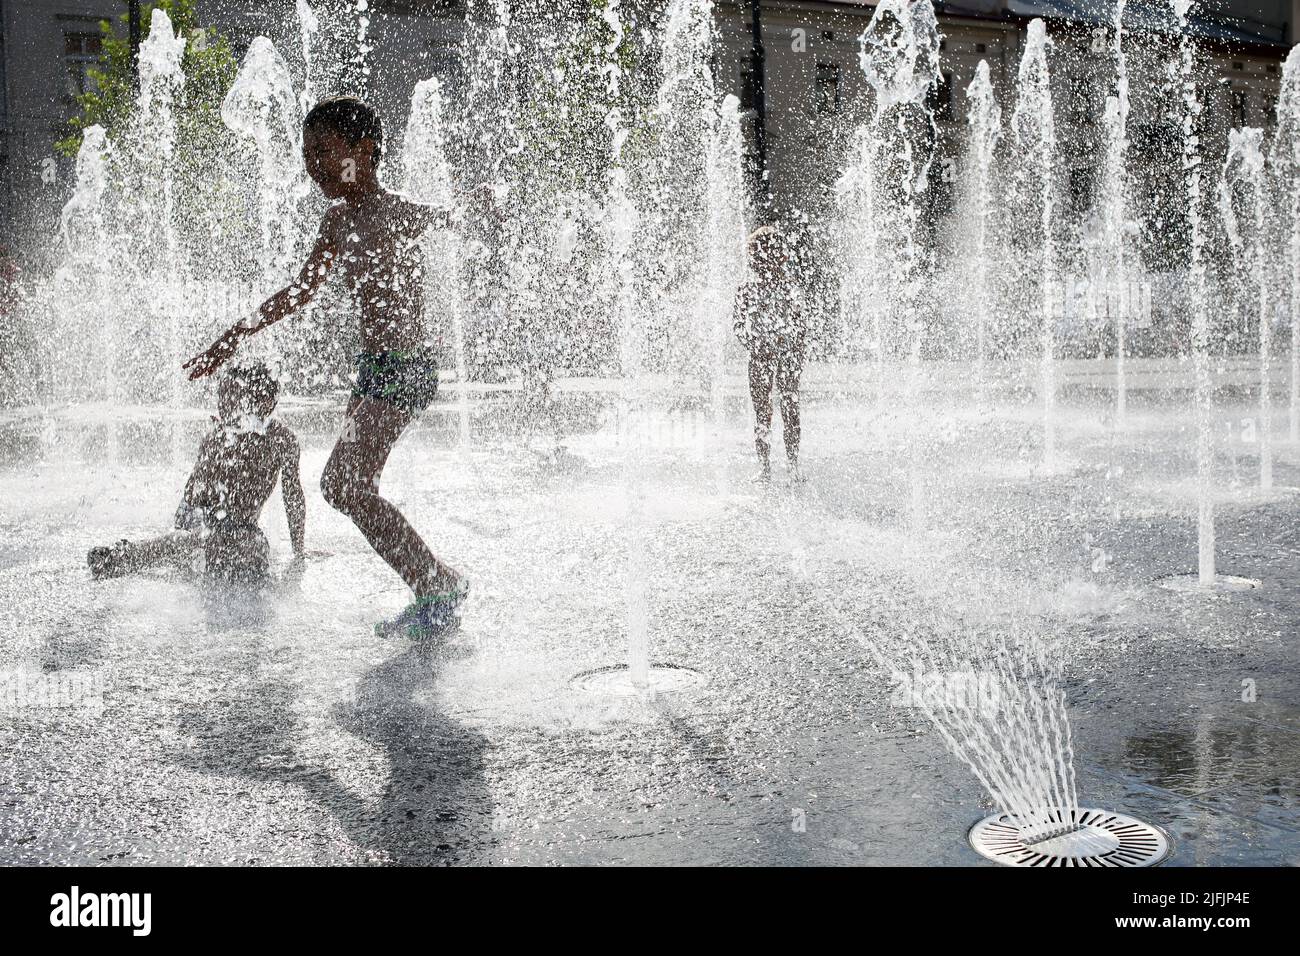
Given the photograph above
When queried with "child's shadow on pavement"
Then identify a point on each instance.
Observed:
(435, 806)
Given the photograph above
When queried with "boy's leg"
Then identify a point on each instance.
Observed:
(761, 372)
(351, 485)
(175, 548)
(787, 383)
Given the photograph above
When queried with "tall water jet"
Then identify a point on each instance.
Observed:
(428, 179)
(308, 28)
(858, 234)
(985, 121)
(487, 114)
(899, 55)
(657, 259)
(161, 82)
(262, 106)
(484, 136)
(86, 241)
(726, 264)
(881, 197)
(154, 135)
(1114, 209)
(887, 165)
(620, 227)
(687, 183)
(1284, 159)
(1198, 293)
(725, 270)
(1243, 199)
(1033, 184)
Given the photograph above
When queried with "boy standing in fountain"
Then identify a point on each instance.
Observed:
(769, 321)
(372, 235)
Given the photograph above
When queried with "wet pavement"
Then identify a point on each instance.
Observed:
(148, 720)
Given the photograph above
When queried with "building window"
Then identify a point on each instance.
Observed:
(1087, 101)
(828, 89)
(939, 99)
(81, 51)
(1081, 188)
(1240, 107)
(748, 89)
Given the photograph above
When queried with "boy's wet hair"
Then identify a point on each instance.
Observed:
(351, 118)
(256, 382)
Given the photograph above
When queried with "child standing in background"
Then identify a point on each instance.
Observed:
(769, 321)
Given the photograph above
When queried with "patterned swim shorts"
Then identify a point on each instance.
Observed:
(406, 379)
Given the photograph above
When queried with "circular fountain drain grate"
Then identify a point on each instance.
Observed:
(1100, 838)
(616, 681)
(1191, 583)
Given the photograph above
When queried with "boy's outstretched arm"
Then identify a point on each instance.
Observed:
(281, 305)
(295, 502)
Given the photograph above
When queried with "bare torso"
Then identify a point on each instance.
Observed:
(377, 243)
(237, 469)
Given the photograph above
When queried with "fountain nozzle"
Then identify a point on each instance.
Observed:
(1051, 834)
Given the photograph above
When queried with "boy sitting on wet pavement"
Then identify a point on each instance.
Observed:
(239, 461)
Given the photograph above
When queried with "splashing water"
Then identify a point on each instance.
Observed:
(985, 121)
(1033, 185)
(649, 211)
(899, 53)
(1285, 162)
(262, 106)
(888, 266)
(308, 27)
(428, 179)
(1115, 284)
(1199, 295)
(1242, 204)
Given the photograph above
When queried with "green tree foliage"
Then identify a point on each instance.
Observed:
(209, 66)
(563, 123)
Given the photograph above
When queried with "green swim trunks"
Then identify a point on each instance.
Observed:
(407, 379)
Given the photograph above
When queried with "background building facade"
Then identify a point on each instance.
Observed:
(814, 89)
